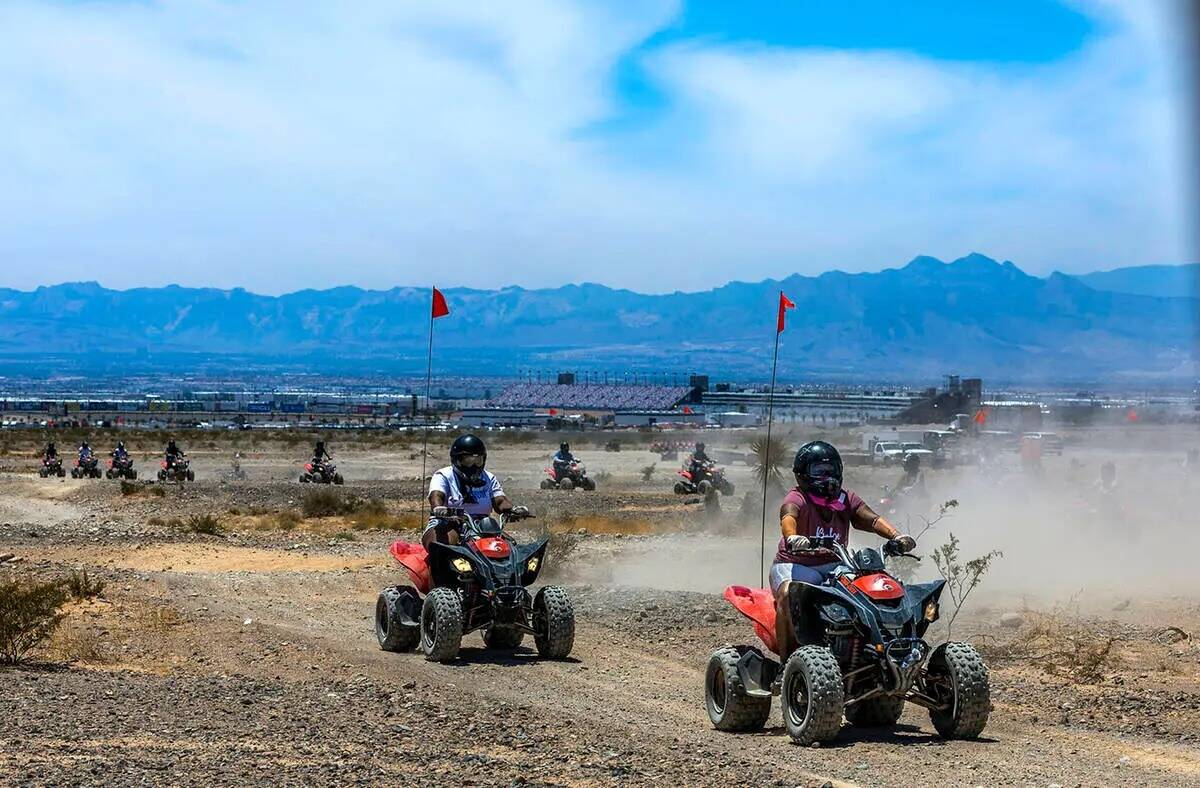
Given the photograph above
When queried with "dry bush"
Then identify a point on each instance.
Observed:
(77, 643)
(30, 611)
(202, 524)
(323, 502)
(648, 471)
(1061, 644)
(81, 587)
(287, 520)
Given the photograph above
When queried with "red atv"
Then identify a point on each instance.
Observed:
(862, 654)
(121, 468)
(572, 476)
(86, 467)
(177, 471)
(708, 477)
(321, 473)
(482, 584)
(52, 466)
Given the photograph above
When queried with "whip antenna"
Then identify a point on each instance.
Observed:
(784, 304)
(437, 309)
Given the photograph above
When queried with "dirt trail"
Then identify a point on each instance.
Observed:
(222, 660)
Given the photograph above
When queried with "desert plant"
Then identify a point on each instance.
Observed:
(81, 587)
(287, 520)
(128, 488)
(203, 524)
(322, 502)
(961, 578)
(768, 459)
(648, 471)
(29, 613)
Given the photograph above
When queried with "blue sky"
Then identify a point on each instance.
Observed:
(656, 145)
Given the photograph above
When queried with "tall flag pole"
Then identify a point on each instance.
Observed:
(785, 304)
(438, 308)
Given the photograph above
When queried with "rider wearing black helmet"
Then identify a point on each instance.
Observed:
(697, 462)
(563, 460)
(173, 453)
(818, 506)
(119, 453)
(85, 450)
(913, 480)
(51, 452)
(463, 484)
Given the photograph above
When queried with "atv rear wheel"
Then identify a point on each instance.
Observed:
(546, 484)
(503, 638)
(441, 625)
(729, 707)
(812, 695)
(566, 484)
(554, 623)
(963, 677)
(681, 488)
(304, 479)
(392, 635)
(877, 712)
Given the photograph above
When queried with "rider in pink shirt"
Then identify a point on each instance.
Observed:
(817, 507)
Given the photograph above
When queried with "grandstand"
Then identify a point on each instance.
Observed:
(593, 396)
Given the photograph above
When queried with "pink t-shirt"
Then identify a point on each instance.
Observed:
(812, 524)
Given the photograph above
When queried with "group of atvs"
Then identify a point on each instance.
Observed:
(174, 467)
(862, 653)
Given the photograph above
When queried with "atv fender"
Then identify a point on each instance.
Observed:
(414, 558)
(758, 605)
(527, 551)
(408, 607)
(757, 673)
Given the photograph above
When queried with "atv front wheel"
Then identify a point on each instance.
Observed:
(877, 712)
(554, 623)
(703, 487)
(191, 475)
(566, 484)
(812, 695)
(503, 638)
(392, 635)
(957, 670)
(729, 707)
(337, 479)
(441, 625)
(589, 485)
(727, 489)
(132, 475)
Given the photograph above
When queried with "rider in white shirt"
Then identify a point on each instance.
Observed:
(463, 484)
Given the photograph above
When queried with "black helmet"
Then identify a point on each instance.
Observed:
(699, 445)
(121, 445)
(84, 445)
(320, 445)
(818, 469)
(564, 446)
(468, 456)
(171, 443)
(50, 445)
(912, 462)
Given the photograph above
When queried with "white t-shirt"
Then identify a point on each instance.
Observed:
(477, 501)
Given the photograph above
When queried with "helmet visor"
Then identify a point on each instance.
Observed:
(472, 460)
(823, 470)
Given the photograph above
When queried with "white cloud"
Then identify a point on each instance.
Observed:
(281, 144)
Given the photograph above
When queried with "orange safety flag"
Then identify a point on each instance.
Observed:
(1131, 415)
(981, 416)
(687, 410)
(440, 307)
(785, 303)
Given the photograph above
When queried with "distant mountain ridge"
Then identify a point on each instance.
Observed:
(973, 315)
(1164, 281)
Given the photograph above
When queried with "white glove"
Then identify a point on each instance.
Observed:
(796, 544)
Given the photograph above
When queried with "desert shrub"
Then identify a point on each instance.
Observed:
(287, 520)
(128, 488)
(648, 472)
(322, 502)
(202, 524)
(602, 477)
(81, 587)
(158, 492)
(961, 577)
(345, 536)
(29, 613)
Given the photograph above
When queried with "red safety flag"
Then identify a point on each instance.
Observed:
(785, 303)
(687, 410)
(981, 416)
(440, 308)
(1131, 415)
(553, 411)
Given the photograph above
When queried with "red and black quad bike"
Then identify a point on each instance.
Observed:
(121, 468)
(707, 478)
(862, 653)
(177, 471)
(321, 473)
(86, 467)
(568, 478)
(482, 583)
(52, 466)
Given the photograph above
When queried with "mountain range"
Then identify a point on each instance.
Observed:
(973, 316)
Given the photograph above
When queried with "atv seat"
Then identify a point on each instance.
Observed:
(758, 605)
(413, 558)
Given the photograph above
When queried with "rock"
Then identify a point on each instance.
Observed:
(6, 557)
(1011, 620)
(711, 617)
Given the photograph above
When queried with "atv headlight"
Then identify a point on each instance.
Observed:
(532, 564)
(461, 565)
(931, 611)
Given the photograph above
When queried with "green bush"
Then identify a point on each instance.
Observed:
(29, 613)
(203, 524)
(81, 587)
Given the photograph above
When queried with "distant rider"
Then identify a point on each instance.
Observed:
(464, 484)
(912, 481)
(174, 453)
(1107, 484)
(120, 453)
(698, 462)
(563, 460)
(51, 452)
(320, 455)
(818, 506)
(85, 451)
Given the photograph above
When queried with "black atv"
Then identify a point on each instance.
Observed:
(862, 653)
(481, 584)
(86, 467)
(52, 466)
(121, 468)
(568, 476)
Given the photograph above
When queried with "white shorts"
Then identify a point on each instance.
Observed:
(813, 575)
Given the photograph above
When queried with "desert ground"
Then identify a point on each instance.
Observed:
(232, 640)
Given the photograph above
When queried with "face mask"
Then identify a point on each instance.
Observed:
(837, 504)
